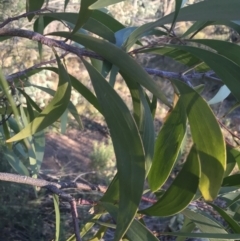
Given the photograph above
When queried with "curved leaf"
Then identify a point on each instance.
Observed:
(224, 48)
(182, 190)
(122, 34)
(53, 111)
(167, 146)
(221, 95)
(112, 193)
(14, 161)
(83, 15)
(229, 220)
(33, 5)
(97, 15)
(126, 64)
(103, 67)
(76, 84)
(178, 5)
(188, 227)
(71, 107)
(99, 22)
(229, 71)
(233, 157)
(29, 100)
(178, 55)
(65, 4)
(205, 224)
(235, 152)
(107, 20)
(128, 149)
(143, 118)
(200, 25)
(214, 10)
(137, 231)
(208, 138)
(233, 180)
(197, 27)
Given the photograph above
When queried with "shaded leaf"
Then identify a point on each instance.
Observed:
(214, 10)
(233, 157)
(76, 84)
(137, 231)
(178, 55)
(39, 145)
(57, 216)
(93, 24)
(208, 138)
(229, 71)
(63, 121)
(122, 34)
(53, 111)
(104, 67)
(224, 48)
(14, 161)
(113, 75)
(71, 107)
(112, 193)
(100, 233)
(167, 146)
(182, 190)
(87, 227)
(196, 27)
(205, 224)
(30, 147)
(143, 119)
(6, 134)
(188, 227)
(29, 100)
(178, 5)
(107, 20)
(33, 5)
(5, 88)
(229, 220)
(127, 146)
(83, 15)
(126, 64)
(40, 30)
(65, 4)
(233, 180)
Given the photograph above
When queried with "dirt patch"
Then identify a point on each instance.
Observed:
(69, 154)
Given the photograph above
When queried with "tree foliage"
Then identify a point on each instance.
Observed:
(107, 47)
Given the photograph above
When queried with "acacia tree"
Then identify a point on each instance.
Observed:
(139, 157)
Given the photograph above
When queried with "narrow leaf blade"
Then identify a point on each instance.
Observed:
(208, 138)
(128, 149)
(167, 146)
(182, 190)
(53, 111)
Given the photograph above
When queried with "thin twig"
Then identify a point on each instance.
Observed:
(83, 52)
(48, 41)
(55, 188)
(20, 74)
(9, 177)
(24, 15)
(72, 202)
(226, 128)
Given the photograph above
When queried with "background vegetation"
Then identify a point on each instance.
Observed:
(158, 82)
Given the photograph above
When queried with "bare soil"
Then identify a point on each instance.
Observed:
(69, 154)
